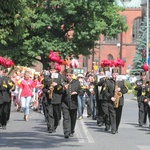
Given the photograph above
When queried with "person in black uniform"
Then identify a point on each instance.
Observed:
(140, 88)
(99, 96)
(70, 104)
(6, 86)
(147, 102)
(114, 91)
(52, 95)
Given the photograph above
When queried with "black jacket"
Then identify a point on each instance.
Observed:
(138, 87)
(109, 90)
(100, 84)
(6, 84)
(57, 92)
(71, 101)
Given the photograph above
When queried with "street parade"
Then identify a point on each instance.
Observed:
(74, 75)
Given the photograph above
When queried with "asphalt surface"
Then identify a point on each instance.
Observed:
(33, 135)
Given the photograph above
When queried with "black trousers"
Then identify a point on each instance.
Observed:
(69, 120)
(52, 115)
(9, 110)
(109, 115)
(56, 114)
(49, 116)
(146, 113)
(100, 112)
(118, 116)
(141, 114)
(4, 113)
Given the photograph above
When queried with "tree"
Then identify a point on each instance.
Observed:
(140, 55)
(53, 21)
(13, 17)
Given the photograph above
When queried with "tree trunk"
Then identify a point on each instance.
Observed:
(44, 61)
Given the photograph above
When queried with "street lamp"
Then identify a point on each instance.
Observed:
(118, 45)
(97, 45)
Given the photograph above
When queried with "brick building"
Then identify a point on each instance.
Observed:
(123, 46)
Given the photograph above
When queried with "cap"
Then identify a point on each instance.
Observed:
(37, 73)
(51, 65)
(101, 70)
(115, 70)
(90, 74)
(69, 71)
(80, 76)
(143, 73)
(106, 68)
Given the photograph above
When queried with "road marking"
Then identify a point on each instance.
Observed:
(143, 147)
(87, 133)
(78, 133)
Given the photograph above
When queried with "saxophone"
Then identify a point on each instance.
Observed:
(51, 89)
(117, 96)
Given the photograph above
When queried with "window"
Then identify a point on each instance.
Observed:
(135, 29)
(111, 39)
(110, 57)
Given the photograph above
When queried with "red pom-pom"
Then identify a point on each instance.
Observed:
(57, 67)
(119, 63)
(145, 67)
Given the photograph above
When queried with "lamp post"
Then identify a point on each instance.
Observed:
(119, 45)
(97, 45)
(92, 58)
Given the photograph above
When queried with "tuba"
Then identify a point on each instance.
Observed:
(117, 96)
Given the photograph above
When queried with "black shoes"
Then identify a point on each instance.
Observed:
(50, 131)
(4, 127)
(71, 135)
(113, 132)
(66, 136)
(100, 124)
(107, 128)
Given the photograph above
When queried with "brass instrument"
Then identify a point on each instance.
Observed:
(117, 96)
(12, 71)
(143, 87)
(51, 89)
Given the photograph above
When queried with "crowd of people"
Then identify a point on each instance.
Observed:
(65, 95)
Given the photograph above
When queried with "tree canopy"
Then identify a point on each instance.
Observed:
(140, 56)
(33, 28)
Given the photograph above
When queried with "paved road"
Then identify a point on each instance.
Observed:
(33, 135)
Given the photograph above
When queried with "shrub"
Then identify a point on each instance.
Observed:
(127, 83)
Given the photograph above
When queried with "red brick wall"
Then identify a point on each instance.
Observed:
(128, 49)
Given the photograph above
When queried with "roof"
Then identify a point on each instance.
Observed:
(129, 4)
